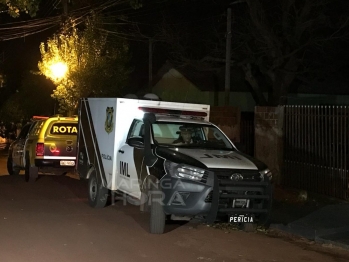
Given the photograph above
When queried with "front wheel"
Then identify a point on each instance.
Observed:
(97, 194)
(10, 169)
(157, 214)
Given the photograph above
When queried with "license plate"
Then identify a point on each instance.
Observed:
(67, 163)
(240, 202)
(241, 219)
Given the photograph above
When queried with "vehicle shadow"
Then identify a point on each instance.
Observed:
(143, 218)
(77, 187)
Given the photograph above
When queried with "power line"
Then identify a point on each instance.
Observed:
(15, 30)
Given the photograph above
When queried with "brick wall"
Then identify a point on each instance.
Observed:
(269, 138)
(227, 118)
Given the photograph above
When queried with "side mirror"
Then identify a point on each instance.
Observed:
(149, 157)
(136, 142)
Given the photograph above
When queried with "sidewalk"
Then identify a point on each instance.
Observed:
(319, 218)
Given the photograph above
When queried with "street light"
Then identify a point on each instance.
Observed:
(58, 70)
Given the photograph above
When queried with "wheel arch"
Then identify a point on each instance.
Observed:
(91, 168)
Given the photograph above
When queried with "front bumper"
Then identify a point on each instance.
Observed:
(215, 196)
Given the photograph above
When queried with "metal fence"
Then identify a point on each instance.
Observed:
(316, 149)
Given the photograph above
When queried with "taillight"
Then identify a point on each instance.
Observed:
(40, 149)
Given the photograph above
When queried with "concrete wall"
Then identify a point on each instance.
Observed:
(269, 138)
(227, 118)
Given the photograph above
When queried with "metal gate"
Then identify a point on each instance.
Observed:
(316, 149)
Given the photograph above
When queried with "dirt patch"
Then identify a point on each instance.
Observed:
(289, 195)
(292, 204)
(338, 253)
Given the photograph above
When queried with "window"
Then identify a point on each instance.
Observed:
(137, 129)
(200, 135)
(24, 132)
(35, 130)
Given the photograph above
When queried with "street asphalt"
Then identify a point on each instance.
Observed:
(320, 219)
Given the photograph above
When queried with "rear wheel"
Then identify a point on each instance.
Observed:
(30, 173)
(157, 214)
(97, 194)
(10, 168)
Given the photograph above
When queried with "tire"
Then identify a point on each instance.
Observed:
(157, 214)
(30, 173)
(145, 198)
(249, 227)
(97, 194)
(10, 169)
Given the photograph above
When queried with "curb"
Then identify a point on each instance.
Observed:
(337, 243)
(333, 236)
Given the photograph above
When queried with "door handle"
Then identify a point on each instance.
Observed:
(121, 151)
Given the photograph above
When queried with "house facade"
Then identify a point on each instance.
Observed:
(188, 85)
(173, 85)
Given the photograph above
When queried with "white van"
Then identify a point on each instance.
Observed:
(169, 159)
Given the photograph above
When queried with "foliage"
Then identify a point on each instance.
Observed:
(11, 110)
(14, 7)
(136, 4)
(32, 98)
(96, 66)
(31, 7)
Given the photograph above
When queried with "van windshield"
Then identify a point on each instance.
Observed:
(190, 135)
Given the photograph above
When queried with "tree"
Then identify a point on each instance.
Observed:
(14, 7)
(32, 98)
(96, 65)
(275, 43)
(31, 7)
(284, 38)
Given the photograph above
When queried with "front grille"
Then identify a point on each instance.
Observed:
(208, 198)
(245, 192)
(247, 175)
(204, 178)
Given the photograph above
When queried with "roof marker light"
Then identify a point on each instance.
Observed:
(172, 112)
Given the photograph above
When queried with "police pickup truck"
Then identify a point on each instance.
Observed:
(46, 145)
(169, 159)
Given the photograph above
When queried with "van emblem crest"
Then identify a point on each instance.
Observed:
(108, 125)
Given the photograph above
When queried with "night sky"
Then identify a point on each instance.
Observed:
(21, 55)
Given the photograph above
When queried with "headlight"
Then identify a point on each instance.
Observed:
(266, 173)
(183, 171)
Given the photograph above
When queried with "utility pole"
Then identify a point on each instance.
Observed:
(150, 84)
(65, 8)
(227, 58)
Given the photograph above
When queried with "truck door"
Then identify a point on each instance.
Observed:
(18, 146)
(129, 162)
